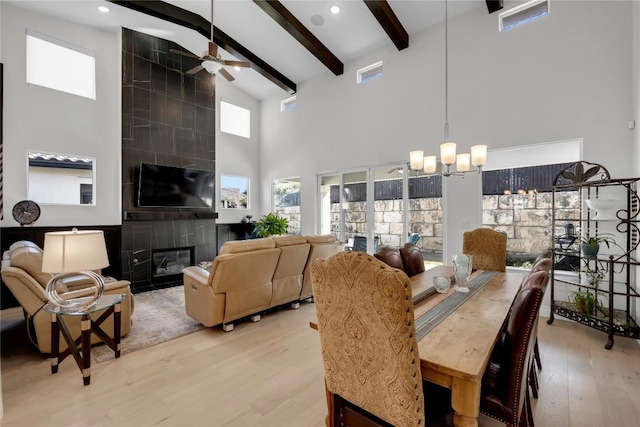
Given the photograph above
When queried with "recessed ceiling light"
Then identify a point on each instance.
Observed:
(237, 68)
(335, 9)
(103, 9)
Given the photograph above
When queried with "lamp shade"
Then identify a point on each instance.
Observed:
(448, 153)
(430, 164)
(478, 155)
(415, 159)
(462, 162)
(70, 251)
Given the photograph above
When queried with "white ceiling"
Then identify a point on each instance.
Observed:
(349, 35)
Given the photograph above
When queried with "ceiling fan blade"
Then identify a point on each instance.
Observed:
(187, 54)
(213, 49)
(244, 64)
(194, 69)
(226, 74)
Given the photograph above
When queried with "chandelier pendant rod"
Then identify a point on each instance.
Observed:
(446, 71)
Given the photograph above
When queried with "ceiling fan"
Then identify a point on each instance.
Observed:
(211, 60)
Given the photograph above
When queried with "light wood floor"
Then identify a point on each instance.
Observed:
(270, 374)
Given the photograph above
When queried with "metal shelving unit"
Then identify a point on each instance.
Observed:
(617, 265)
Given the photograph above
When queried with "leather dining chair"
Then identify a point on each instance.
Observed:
(368, 342)
(505, 392)
(538, 278)
(412, 259)
(390, 256)
(488, 248)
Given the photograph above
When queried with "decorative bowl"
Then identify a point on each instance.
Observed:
(605, 208)
(442, 284)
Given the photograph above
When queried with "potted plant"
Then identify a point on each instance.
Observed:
(270, 224)
(586, 301)
(590, 244)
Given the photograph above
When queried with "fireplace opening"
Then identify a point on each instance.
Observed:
(167, 264)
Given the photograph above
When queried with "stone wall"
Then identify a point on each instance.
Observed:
(292, 215)
(526, 218)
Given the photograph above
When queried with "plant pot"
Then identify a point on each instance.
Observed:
(590, 249)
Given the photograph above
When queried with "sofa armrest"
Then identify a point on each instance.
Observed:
(198, 274)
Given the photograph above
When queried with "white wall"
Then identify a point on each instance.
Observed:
(238, 156)
(45, 120)
(564, 76)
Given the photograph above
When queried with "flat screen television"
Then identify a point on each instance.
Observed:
(169, 186)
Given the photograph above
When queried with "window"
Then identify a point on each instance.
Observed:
(234, 192)
(522, 14)
(286, 202)
(235, 120)
(288, 104)
(370, 72)
(60, 66)
(517, 196)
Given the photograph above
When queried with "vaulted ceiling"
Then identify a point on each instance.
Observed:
(287, 41)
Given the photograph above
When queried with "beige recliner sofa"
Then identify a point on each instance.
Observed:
(22, 273)
(251, 276)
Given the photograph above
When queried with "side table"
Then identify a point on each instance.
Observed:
(82, 354)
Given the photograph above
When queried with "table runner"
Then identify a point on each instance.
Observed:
(432, 318)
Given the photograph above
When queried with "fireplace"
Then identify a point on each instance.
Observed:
(167, 264)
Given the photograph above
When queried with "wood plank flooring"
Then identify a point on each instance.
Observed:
(270, 374)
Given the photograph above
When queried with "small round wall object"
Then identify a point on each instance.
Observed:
(26, 212)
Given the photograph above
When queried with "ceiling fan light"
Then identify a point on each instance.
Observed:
(212, 67)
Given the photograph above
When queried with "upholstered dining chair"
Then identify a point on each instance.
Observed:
(412, 259)
(505, 392)
(539, 278)
(488, 247)
(368, 342)
(390, 256)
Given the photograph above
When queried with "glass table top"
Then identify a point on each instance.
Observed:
(105, 301)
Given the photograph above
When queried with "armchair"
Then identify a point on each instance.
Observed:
(22, 273)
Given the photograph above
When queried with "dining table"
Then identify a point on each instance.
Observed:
(457, 332)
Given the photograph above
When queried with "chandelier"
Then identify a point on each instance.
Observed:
(428, 164)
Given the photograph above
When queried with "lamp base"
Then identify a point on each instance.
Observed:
(81, 303)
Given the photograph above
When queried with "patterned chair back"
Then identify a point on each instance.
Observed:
(367, 334)
(488, 247)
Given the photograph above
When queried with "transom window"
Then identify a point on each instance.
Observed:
(235, 120)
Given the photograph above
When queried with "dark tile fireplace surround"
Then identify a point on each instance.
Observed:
(168, 118)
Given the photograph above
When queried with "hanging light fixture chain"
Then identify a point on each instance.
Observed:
(446, 72)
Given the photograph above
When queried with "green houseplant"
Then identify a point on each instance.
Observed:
(586, 301)
(271, 224)
(590, 243)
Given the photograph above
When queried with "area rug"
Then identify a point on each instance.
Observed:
(158, 316)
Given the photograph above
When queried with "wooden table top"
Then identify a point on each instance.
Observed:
(460, 346)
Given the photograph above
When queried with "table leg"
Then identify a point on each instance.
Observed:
(465, 401)
(117, 312)
(55, 343)
(86, 348)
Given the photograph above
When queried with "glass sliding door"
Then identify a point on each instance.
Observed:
(425, 215)
(330, 215)
(354, 209)
(388, 205)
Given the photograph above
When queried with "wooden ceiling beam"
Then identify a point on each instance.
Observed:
(389, 22)
(293, 26)
(494, 5)
(187, 19)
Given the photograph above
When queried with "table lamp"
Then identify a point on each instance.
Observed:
(73, 253)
